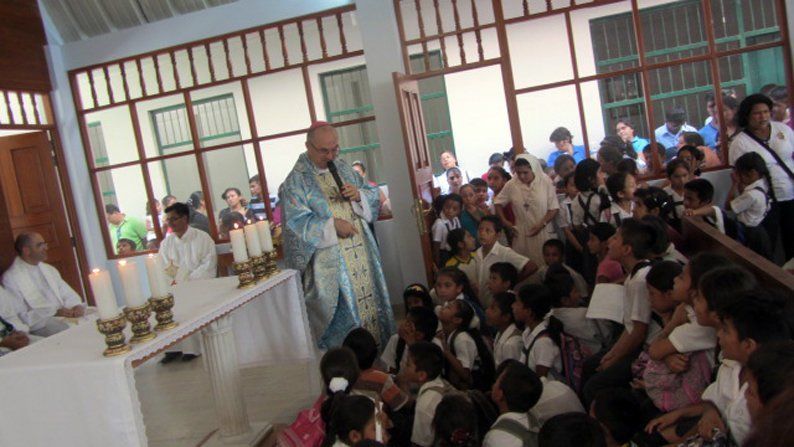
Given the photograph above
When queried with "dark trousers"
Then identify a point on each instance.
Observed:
(616, 376)
(786, 218)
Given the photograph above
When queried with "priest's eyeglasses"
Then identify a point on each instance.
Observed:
(325, 150)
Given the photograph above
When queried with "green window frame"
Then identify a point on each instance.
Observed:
(355, 103)
(623, 96)
(96, 139)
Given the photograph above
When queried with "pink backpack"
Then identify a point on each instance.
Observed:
(308, 430)
(670, 391)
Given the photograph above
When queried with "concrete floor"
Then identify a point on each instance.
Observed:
(177, 405)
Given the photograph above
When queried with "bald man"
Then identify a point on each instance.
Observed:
(327, 238)
(39, 293)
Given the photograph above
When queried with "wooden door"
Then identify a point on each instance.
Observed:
(33, 200)
(418, 154)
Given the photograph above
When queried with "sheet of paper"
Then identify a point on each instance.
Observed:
(606, 303)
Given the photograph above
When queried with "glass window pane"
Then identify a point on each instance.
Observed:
(679, 90)
(164, 126)
(673, 30)
(111, 136)
(178, 176)
(279, 102)
(346, 94)
(124, 188)
(279, 157)
(547, 59)
(604, 38)
(220, 114)
(739, 23)
(230, 168)
(616, 107)
(542, 112)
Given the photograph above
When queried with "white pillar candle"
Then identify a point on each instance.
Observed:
(158, 285)
(238, 244)
(130, 282)
(252, 240)
(263, 227)
(104, 296)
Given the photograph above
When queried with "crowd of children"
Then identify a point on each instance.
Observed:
(510, 346)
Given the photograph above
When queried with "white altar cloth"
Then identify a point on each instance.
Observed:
(62, 391)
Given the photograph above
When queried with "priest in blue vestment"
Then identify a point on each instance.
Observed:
(327, 238)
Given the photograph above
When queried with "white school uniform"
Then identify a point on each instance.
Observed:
(691, 337)
(501, 438)
(678, 199)
(426, 403)
(544, 351)
(465, 349)
(752, 205)
(615, 209)
(441, 228)
(637, 304)
(727, 394)
(578, 211)
(556, 398)
(508, 344)
(389, 356)
(577, 325)
(782, 142)
(498, 253)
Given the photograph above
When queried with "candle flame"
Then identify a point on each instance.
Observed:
(236, 226)
(248, 221)
(122, 263)
(95, 271)
(151, 255)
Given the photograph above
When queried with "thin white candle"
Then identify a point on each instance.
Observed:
(104, 296)
(252, 240)
(263, 227)
(130, 282)
(158, 285)
(237, 238)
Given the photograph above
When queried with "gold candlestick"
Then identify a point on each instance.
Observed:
(272, 267)
(244, 274)
(259, 266)
(139, 318)
(113, 330)
(162, 312)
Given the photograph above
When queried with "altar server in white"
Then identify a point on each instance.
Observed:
(38, 290)
(187, 254)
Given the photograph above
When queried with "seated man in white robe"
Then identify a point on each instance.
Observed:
(39, 291)
(187, 254)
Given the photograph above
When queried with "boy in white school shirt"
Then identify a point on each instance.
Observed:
(446, 222)
(630, 246)
(491, 252)
(516, 390)
(424, 365)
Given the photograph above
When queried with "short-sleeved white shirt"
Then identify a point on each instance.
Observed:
(426, 403)
(544, 351)
(441, 228)
(637, 305)
(727, 394)
(578, 212)
(577, 325)
(508, 344)
(782, 142)
(465, 349)
(556, 398)
(678, 199)
(501, 438)
(691, 337)
(498, 253)
(752, 205)
(389, 355)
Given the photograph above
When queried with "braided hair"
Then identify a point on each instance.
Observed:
(752, 161)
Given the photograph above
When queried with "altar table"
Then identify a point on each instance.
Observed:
(62, 391)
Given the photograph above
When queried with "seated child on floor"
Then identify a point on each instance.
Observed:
(420, 324)
(507, 343)
(569, 309)
(516, 390)
(424, 367)
(371, 382)
(470, 362)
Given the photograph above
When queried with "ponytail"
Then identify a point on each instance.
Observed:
(554, 329)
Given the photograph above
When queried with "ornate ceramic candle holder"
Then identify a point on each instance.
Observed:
(162, 306)
(139, 318)
(271, 267)
(113, 330)
(259, 266)
(244, 274)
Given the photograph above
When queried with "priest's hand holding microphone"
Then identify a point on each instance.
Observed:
(344, 229)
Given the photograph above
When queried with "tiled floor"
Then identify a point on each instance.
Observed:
(177, 406)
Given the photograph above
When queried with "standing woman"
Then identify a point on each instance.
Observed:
(533, 198)
(774, 141)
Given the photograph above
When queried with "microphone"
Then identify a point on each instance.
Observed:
(335, 175)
